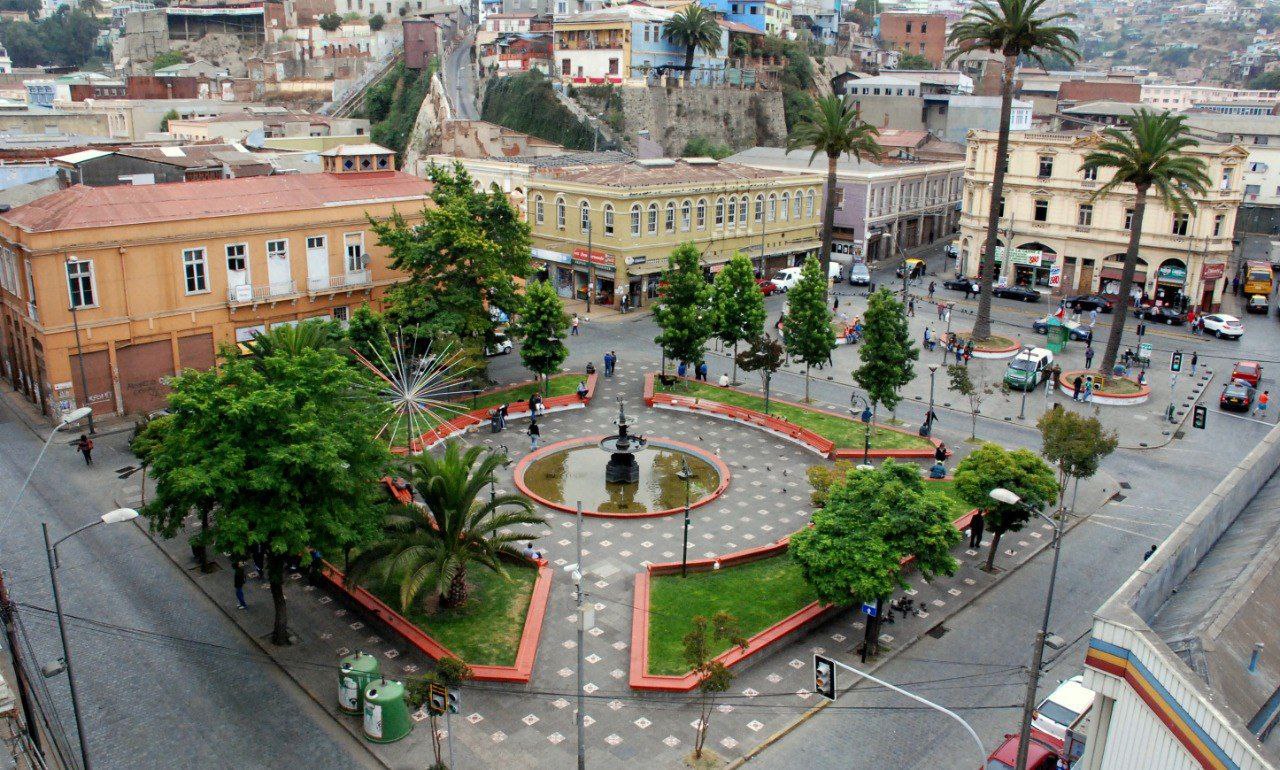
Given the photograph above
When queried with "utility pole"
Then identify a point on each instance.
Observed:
(577, 579)
(1037, 653)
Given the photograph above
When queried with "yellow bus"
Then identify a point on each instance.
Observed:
(1257, 278)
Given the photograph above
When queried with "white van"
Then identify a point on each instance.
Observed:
(833, 271)
(1064, 709)
(786, 278)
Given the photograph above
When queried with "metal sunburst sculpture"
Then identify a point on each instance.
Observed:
(417, 393)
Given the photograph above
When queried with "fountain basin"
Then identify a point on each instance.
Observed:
(560, 474)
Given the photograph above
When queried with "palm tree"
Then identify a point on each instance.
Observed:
(1012, 28)
(430, 546)
(695, 27)
(294, 339)
(834, 126)
(1149, 154)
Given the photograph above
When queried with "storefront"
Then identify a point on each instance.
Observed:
(1113, 270)
(557, 267)
(1033, 265)
(593, 274)
(1211, 274)
(1171, 281)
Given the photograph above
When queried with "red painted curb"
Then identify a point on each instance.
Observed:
(526, 653)
(523, 464)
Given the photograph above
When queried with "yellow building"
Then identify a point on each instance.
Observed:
(147, 280)
(1066, 242)
(777, 18)
(616, 223)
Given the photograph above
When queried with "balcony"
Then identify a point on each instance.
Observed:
(267, 292)
(348, 282)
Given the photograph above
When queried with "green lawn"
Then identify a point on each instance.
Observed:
(945, 492)
(994, 342)
(486, 629)
(758, 594)
(844, 431)
(560, 385)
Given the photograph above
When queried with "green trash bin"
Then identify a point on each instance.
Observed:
(386, 715)
(355, 672)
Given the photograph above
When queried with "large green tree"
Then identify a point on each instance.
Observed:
(693, 28)
(462, 259)
(541, 327)
(887, 351)
(833, 126)
(1013, 29)
(367, 334)
(737, 305)
(809, 337)
(430, 547)
(1021, 471)
(281, 448)
(871, 521)
(1075, 444)
(1150, 153)
(683, 311)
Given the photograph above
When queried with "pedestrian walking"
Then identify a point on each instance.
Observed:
(238, 578)
(976, 525)
(1093, 317)
(939, 311)
(1088, 357)
(682, 369)
(1195, 359)
(1149, 552)
(610, 361)
(534, 434)
(1261, 411)
(835, 304)
(702, 372)
(946, 314)
(574, 331)
(911, 307)
(1088, 389)
(84, 445)
(535, 404)
(933, 286)
(1077, 388)
(967, 287)
(502, 416)
(1235, 285)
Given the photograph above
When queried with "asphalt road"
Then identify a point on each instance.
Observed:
(460, 79)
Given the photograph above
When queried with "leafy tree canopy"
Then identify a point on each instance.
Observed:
(682, 311)
(541, 328)
(914, 61)
(68, 38)
(810, 337)
(1020, 471)
(887, 350)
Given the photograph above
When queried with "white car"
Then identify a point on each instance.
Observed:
(786, 278)
(500, 346)
(1064, 709)
(1221, 325)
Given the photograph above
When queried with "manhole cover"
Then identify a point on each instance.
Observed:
(1118, 498)
(1126, 485)
(1180, 434)
(937, 631)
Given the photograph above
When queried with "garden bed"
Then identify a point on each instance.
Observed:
(1116, 391)
(828, 433)
(994, 346)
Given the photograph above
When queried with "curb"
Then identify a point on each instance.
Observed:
(1179, 425)
(884, 660)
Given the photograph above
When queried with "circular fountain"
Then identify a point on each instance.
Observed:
(641, 478)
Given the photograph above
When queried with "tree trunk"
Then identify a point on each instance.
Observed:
(202, 553)
(275, 575)
(435, 740)
(688, 64)
(995, 544)
(1121, 315)
(973, 428)
(982, 322)
(143, 501)
(828, 219)
(871, 636)
(457, 594)
(703, 723)
(546, 386)
(806, 383)
(734, 379)
(767, 377)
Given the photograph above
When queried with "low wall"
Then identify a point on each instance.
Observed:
(1106, 399)
(476, 418)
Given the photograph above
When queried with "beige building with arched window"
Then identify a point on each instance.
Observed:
(613, 225)
(1055, 236)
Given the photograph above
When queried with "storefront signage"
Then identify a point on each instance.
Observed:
(592, 258)
(1032, 257)
(547, 255)
(245, 333)
(1172, 274)
(637, 260)
(1055, 276)
(1213, 271)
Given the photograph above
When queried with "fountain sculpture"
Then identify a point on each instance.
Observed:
(622, 448)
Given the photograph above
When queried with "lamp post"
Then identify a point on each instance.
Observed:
(929, 416)
(51, 552)
(1000, 494)
(9, 610)
(686, 476)
(506, 462)
(1022, 410)
(865, 415)
(947, 337)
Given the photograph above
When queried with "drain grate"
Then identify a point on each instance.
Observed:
(937, 631)
(1118, 498)
(1180, 434)
(1126, 485)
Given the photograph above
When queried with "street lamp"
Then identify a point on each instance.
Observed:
(506, 463)
(51, 552)
(1022, 410)
(929, 415)
(686, 476)
(947, 337)
(865, 415)
(1008, 497)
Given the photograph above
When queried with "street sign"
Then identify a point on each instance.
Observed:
(1175, 362)
(869, 608)
(1200, 416)
(824, 677)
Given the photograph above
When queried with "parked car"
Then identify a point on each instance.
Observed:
(958, 284)
(1161, 315)
(859, 275)
(1027, 369)
(1075, 329)
(833, 271)
(1064, 709)
(767, 287)
(1237, 396)
(1258, 304)
(786, 278)
(1040, 755)
(1248, 371)
(1021, 293)
(1087, 302)
(500, 346)
(1227, 326)
(916, 266)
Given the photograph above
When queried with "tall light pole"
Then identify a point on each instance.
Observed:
(506, 462)
(8, 609)
(1022, 410)
(947, 337)
(928, 417)
(1000, 494)
(686, 476)
(51, 552)
(865, 415)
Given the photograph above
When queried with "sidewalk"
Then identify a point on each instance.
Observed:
(605, 313)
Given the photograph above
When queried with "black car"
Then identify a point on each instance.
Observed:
(958, 284)
(1087, 302)
(1258, 304)
(1161, 315)
(1021, 293)
(1237, 396)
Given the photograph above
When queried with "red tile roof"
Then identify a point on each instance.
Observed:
(81, 206)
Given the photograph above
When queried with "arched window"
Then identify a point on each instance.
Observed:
(742, 211)
(584, 216)
(635, 220)
(808, 204)
(653, 219)
(795, 206)
(733, 211)
(786, 204)
(686, 215)
(719, 212)
(772, 212)
(608, 219)
(559, 213)
(538, 213)
(759, 207)
(702, 213)
(671, 217)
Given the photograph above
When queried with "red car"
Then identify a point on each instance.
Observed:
(767, 287)
(1040, 755)
(1249, 371)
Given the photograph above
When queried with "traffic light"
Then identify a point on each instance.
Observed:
(1175, 363)
(437, 699)
(453, 701)
(1200, 416)
(824, 677)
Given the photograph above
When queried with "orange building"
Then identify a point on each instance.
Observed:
(924, 34)
(146, 281)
